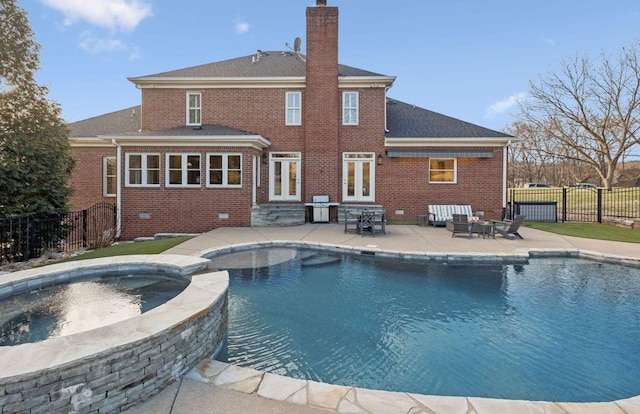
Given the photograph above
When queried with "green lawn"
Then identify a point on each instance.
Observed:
(144, 247)
(590, 231)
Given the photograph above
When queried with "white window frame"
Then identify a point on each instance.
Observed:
(454, 170)
(197, 109)
(286, 159)
(353, 107)
(144, 169)
(293, 111)
(106, 177)
(225, 170)
(184, 168)
(358, 159)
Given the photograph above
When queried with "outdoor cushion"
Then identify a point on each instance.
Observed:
(439, 213)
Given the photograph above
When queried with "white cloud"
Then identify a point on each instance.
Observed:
(117, 15)
(241, 27)
(505, 105)
(96, 45)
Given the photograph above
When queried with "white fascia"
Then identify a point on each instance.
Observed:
(254, 141)
(450, 142)
(207, 82)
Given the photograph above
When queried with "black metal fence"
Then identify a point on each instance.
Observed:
(574, 204)
(27, 237)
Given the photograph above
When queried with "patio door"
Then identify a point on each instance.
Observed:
(284, 176)
(358, 176)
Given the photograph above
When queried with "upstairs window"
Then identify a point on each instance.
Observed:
(109, 184)
(442, 170)
(143, 170)
(194, 108)
(183, 170)
(294, 108)
(350, 108)
(224, 170)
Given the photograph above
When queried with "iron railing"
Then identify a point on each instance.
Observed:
(574, 204)
(27, 237)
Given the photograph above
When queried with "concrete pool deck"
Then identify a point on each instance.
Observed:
(214, 387)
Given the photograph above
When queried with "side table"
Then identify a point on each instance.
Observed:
(487, 229)
(422, 220)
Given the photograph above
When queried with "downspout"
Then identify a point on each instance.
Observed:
(505, 157)
(118, 187)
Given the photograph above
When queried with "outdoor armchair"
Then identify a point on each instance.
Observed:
(509, 227)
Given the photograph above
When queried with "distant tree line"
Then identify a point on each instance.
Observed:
(581, 123)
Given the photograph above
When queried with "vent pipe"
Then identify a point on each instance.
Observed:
(321, 3)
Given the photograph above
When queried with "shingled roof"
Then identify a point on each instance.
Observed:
(409, 121)
(126, 123)
(120, 122)
(264, 64)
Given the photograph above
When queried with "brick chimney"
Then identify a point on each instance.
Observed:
(322, 103)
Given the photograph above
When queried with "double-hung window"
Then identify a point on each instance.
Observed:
(294, 108)
(350, 108)
(194, 108)
(183, 170)
(224, 170)
(442, 170)
(109, 183)
(143, 170)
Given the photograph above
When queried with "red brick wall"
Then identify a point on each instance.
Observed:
(403, 184)
(87, 178)
(186, 210)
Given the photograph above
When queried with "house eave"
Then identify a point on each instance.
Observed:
(226, 82)
(449, 142)
(255, 82)
(253, 141)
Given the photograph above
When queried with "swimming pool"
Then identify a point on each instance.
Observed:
(552, 329)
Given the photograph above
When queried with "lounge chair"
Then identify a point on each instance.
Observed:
(459, 224)
(509, 227)
(439, 214)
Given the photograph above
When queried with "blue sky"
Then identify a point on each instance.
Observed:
(470, 59)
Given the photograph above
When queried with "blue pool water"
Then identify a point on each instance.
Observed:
(552, 329)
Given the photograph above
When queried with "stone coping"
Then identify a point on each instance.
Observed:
(345, 399)
(21, 360)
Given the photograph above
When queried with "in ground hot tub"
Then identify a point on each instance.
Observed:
(115, 366)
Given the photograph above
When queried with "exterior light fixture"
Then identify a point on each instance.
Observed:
(380, 159)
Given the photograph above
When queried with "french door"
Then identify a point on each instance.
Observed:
(284, 176)
(358, 176)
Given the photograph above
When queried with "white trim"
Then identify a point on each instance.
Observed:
(455, 171)
(184, 179)
(151, 82)
(288, 108)
(351, 108)
(358, 158)
(195, 108)
(286, 160)
(253, 141)
(225, 170)
(449, 141)
(144, 169)
(105, 176)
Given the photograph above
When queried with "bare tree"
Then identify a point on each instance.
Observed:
(591, 109)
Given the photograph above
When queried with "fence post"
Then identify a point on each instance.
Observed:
(85, 228)
(564, 204)
(599, 205)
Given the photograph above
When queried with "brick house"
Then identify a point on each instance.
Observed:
(248, 141)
